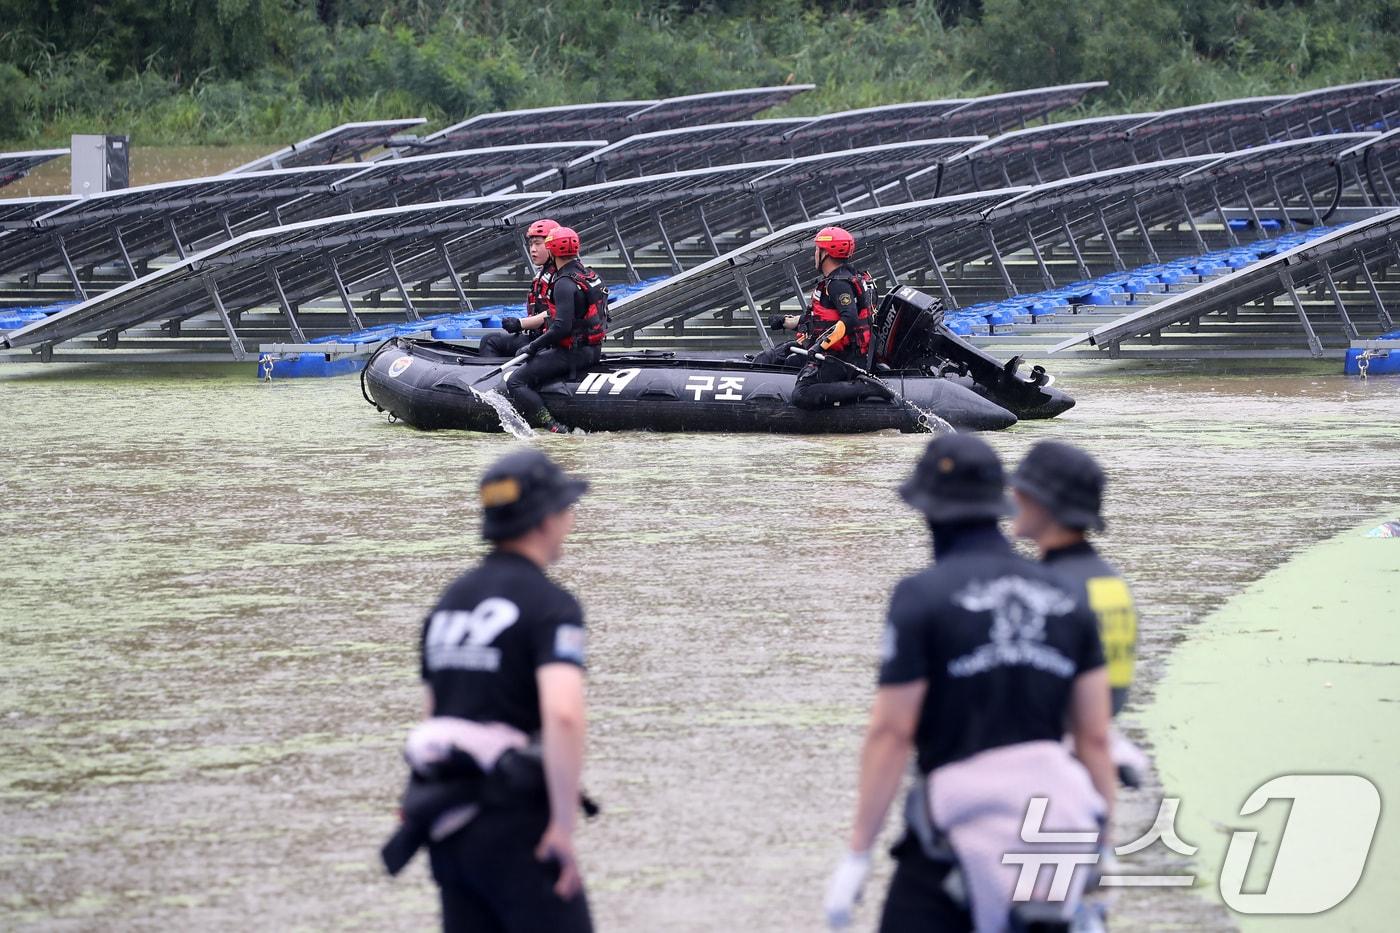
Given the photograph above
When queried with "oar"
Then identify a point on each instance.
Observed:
(921, 417)
(504, 366)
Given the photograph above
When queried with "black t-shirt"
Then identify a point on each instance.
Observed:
(999, 639)
(841, 295)
(488, 633)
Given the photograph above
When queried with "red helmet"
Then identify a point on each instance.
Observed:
(541, 227)
(561, 242)
(838, 243)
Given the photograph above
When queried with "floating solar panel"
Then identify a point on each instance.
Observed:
(1362, 246)
(20, 213)
(136, 224)
(282, 266)
(1043, 153)
(1342, 109)
(681, 149)
(869, 125)
(129, 225)
(713, 107)
(996, 113)
(1221, 126)
(539, 125)
(1375, 166)
(349, 141)
(443, 176)
(16, 165)
(776, 268)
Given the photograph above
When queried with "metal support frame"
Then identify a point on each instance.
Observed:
(1191, 222)
(344, 293)
(889, 266)
(121, 247)
(1108, 238)
(452, 276)
(1381, 311)
(802, 204)
(705, 226)
(287, 311)
(68, 265)
(1225, 220)
(1282, 204)
(1286, 278)
(938, 274)
(409, 309)
(175, 237)
(1142, 230)
(622, 248)
(1074, 247)
(1045, 275)
(1350, 328)
(1001, 266)
(797, 284)
(763, 212)
(228, 228)
(1253, 211)
(666, 242)
(1361, 183)
(1307, 197)
(758, 321)
(235, 342)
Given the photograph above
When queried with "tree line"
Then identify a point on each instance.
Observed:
(270, 71)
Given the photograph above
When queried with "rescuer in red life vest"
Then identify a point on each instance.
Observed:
(572, 341)
(518, 332)
(841, 310)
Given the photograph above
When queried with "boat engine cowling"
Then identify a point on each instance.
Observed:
(909, 334)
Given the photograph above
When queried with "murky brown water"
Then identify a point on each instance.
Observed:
(212, 589)
(149, 165)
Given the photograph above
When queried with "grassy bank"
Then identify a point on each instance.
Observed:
(268, 71)
(1295, 675)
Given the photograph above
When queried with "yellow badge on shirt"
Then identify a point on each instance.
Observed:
(1113, 604)
(845, 299)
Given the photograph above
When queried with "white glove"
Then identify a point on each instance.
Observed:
(844, 888)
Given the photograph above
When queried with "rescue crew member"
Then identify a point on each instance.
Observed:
(505, 645)
(518, 332)
(986, 656)
(1059, 499)
(572, 341)
(840, 315)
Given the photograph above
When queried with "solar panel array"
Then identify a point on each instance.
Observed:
(131, 225)
(610, 121)
(1369, 243)
(16, 165)
(1062, 184)
(349, 141)
(712, 107)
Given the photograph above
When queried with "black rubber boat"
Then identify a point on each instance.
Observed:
(434, 385)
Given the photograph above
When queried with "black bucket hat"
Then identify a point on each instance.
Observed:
(958, 479)
(1066, 480)
(520, 490)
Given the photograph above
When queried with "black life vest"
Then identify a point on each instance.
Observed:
(824, 312)
(592, 328)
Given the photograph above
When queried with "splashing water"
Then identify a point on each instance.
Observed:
(927, 422)
(511, 420)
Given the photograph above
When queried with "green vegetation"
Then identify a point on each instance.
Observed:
(269, 71)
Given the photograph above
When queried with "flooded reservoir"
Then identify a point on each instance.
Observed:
(213, 589)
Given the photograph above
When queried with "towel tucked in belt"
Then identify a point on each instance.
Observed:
(449, 758)
(980, 804)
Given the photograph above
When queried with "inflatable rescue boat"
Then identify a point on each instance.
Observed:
(438, 384)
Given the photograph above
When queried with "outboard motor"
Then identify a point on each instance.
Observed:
(909, 334)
